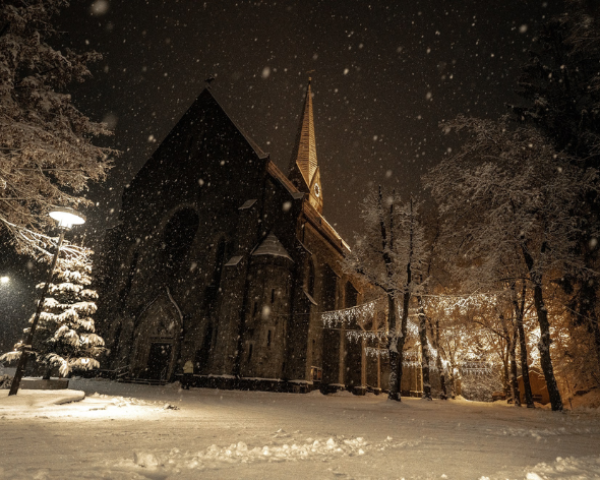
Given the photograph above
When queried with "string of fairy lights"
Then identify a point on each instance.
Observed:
(373, 339)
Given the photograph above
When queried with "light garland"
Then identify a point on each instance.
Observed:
(476, 367)
(410, 359)
(359, 316)
(376, 352)
(359, 313)
(356, 335)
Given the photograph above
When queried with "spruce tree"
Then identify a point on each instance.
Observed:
(65, 336)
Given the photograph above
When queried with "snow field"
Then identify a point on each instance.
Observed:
(123, 431)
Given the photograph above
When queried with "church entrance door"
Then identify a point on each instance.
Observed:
(159, 361)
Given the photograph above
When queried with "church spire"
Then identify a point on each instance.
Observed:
(304, 168)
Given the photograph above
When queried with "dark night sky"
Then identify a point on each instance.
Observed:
(386, 73)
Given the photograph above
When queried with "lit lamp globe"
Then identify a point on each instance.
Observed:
(4, 280)
(66, 217)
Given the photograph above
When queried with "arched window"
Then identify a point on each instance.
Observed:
(179, 236)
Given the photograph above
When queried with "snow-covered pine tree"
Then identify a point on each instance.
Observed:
(65, 336)
(46, 153)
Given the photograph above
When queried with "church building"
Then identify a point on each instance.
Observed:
(223, 259)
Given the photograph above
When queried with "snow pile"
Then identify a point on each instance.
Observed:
(120, 401)
(534, 432)
(215, 456)
(38, 398)
(570, 468)
(587, 401)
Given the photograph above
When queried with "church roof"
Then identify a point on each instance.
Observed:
(271, 246)
(259, 151)
(316, 218)
(304, 155)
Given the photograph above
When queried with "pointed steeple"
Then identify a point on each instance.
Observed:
(303, 164)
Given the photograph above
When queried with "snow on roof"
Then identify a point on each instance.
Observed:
(271, 246)
(247, 204)
(233, 261)
(309, 296)
(336, 233)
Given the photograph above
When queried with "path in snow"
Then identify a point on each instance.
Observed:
(142, 432)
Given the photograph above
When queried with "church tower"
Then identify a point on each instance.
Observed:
(304, 168)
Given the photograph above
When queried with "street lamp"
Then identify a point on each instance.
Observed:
(66, 218)
(4, 280)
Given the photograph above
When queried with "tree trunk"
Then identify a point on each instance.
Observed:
(513, 371)
(525, 366)
(544, 348)
(505, 374)
(519, 312)
(405, 300)
(402, 339)
(439, 364)
(443, 392)
(545, 341)
(511, 361)
(394, 387)
(456, 384)
(424, 350)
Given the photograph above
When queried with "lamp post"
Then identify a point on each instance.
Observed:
(66, 218)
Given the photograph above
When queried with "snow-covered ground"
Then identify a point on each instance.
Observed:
(36, 399)
(122, 431)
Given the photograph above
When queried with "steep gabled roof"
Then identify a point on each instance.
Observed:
(304, 155)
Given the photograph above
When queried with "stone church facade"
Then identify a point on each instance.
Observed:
(222, 259)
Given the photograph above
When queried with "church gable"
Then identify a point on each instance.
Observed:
(207, 122)
(205, 137)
